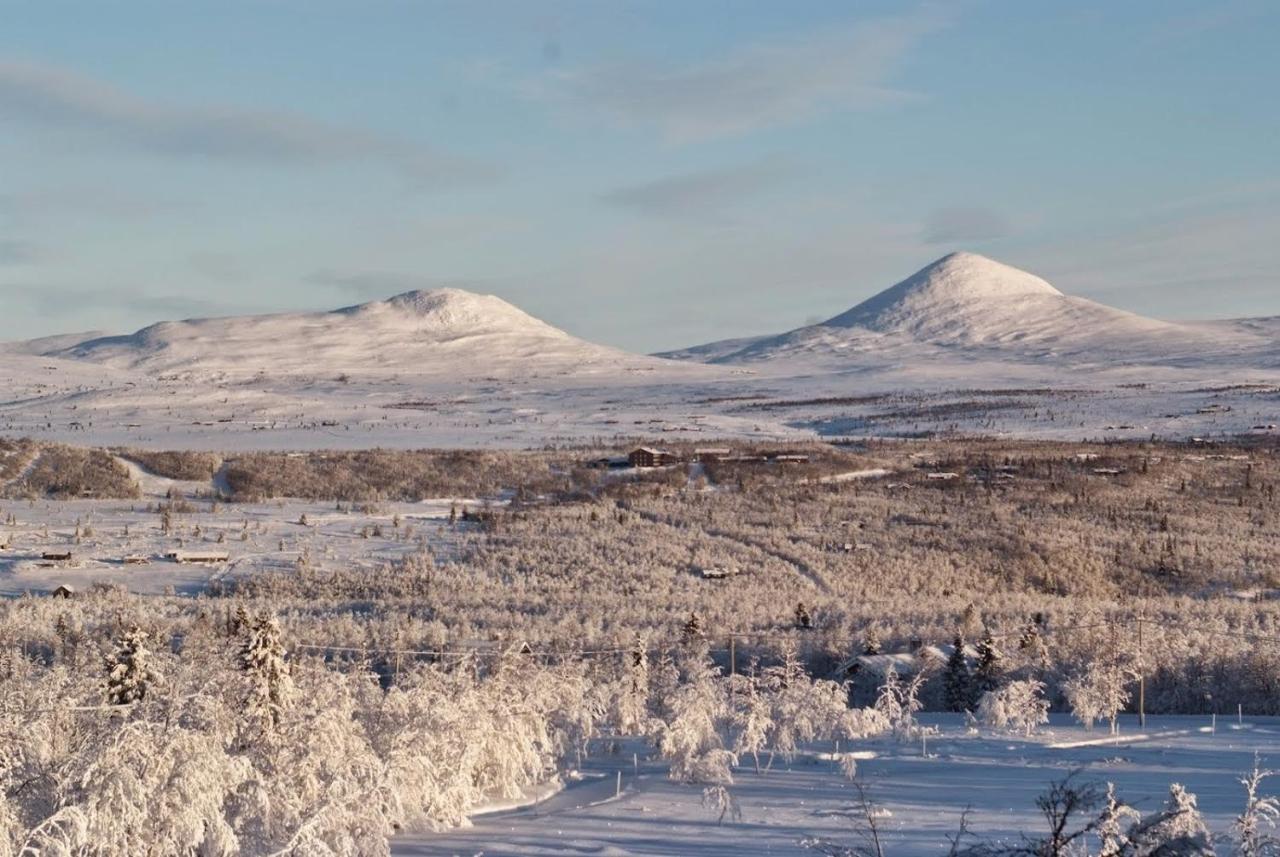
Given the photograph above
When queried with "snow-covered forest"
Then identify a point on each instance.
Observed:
(728, 616)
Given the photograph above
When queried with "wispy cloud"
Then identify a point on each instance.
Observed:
(700, 193)
(48, 96)
(758, 86)
(963, 223)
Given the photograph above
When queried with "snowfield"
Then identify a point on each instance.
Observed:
(919, 791)
(124, 542)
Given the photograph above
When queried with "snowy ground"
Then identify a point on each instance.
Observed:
(256, 537)
(921, 796)
(83, 404)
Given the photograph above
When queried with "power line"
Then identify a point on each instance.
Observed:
(523, 649)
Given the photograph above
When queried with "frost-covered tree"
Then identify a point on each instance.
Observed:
(752, 715)
(1033, 648)
(1177, 828)
(1113, 824)
(1019, 706)
(690, 740)
(970, 621)
(1252, 828)
(129, 670)
(262, 660)
(898, 701)
(871, 641)
(664, 678)
(790, 691)
(722, 802)
(158, 788)
(633, 696)
(1098, 692)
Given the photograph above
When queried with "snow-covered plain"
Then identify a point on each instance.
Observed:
(920, 791)
(964, 345)
(256, 537)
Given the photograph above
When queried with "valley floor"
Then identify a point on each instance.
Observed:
(919, 797)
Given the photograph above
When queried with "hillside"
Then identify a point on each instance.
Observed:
(967, 301)
(436, 332)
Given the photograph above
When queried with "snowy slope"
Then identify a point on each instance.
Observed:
(967, 301)
(437, 332)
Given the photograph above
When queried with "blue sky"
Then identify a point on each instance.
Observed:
(650, 175)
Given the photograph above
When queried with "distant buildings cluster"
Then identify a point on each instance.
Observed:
(652, 456)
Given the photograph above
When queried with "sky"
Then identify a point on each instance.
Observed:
(648, 175)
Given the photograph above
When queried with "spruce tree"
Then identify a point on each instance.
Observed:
(693, 628)
(262, 659)
(871, 642)
(129, 672)
(988, 672)
(958, 681)
(804, 621)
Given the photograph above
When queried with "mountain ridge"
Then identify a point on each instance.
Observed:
(961, 306)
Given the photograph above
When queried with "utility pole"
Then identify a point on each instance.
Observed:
(733, 655)
(1142, 680)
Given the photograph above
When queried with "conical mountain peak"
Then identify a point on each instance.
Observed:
(957, 281)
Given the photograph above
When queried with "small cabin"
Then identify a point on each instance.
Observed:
(791, 458)
(611, 463)
(905, 663)
(63, 591)
(648, 456)
(197, 556)
(711, 453)
(56, 556)
(136, 559)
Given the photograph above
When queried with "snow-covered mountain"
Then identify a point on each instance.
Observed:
(436, 332)
(967, 301)
(452, 368)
